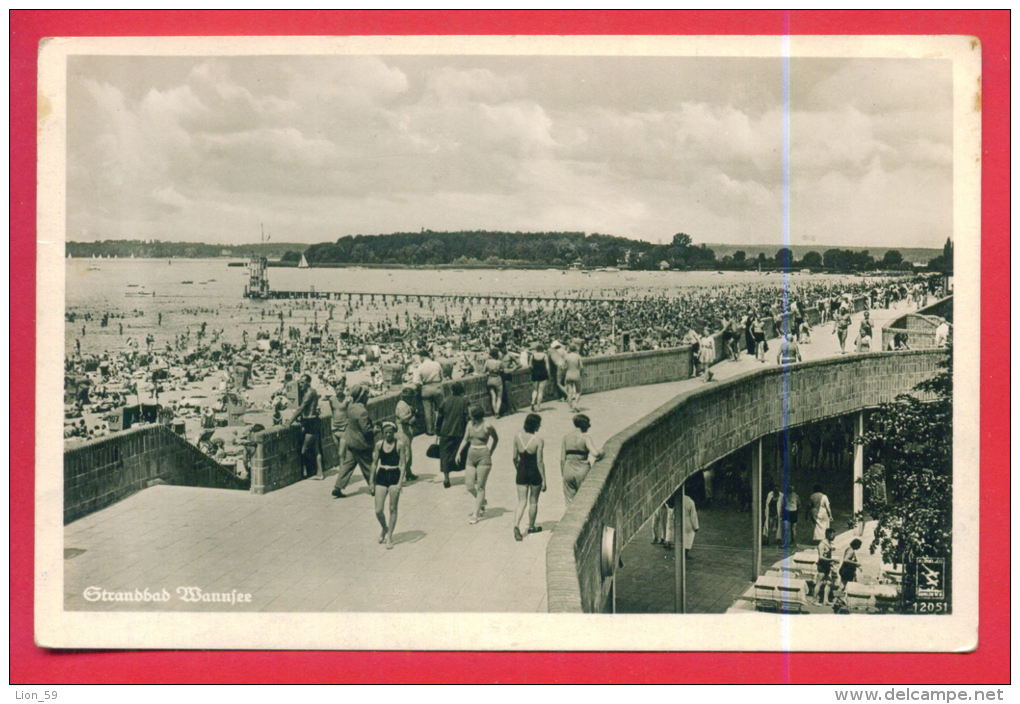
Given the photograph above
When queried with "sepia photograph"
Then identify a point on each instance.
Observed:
(576, 343)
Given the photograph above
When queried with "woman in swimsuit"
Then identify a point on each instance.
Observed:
(493, 369)
(572, 367)
(539, 375)
(575, 456)
(733, 326)
(479, 457)
(841, 327)
(388, 464)
(528, 450)
(758, 333)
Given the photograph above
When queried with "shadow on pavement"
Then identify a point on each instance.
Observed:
(494, 512)
(410, 536)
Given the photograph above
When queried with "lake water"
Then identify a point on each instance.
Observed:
(112, 284)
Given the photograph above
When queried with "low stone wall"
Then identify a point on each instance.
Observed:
(943, 308)
(920, 332)
(276, 462)
(645, 463)
(919, 326)
(103, 471)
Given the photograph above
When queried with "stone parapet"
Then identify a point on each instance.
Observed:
(101, 472)
(918, 326)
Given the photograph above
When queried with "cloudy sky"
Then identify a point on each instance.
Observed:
(205, 149)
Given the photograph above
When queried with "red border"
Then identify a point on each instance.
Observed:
(988, 664)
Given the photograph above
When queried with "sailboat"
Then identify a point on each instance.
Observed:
(303, 264)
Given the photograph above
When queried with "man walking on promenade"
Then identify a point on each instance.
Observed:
(430, 375)
(450, 426)
(405, 416)
(358, 441)
(338, 404)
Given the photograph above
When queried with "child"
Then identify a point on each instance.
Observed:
(825, 583)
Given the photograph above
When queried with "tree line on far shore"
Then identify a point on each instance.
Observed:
(158, 249)
(565, 249)
(480, 248)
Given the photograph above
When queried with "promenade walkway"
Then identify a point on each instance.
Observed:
(298, 549)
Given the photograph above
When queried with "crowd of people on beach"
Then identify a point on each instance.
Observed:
(235, 370)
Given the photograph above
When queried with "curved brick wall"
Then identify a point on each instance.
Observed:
(645, 463)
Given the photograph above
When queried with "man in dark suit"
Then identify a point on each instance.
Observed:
(358, 441)
(450, 426)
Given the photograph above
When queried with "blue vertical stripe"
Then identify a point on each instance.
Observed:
(785, 374)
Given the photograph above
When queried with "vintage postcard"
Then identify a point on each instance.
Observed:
(508, 343)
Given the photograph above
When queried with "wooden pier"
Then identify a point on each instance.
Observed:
(488, 299)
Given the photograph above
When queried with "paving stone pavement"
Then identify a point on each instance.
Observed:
(298, 549)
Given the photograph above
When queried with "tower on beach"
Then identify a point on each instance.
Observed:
(258, 282)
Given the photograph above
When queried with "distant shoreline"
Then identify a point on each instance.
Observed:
(233, 262)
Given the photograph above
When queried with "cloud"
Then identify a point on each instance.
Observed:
(168, 198)
(679, 145)
(888, 205)
(873, 86)
(319, 147)
(449, 84)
